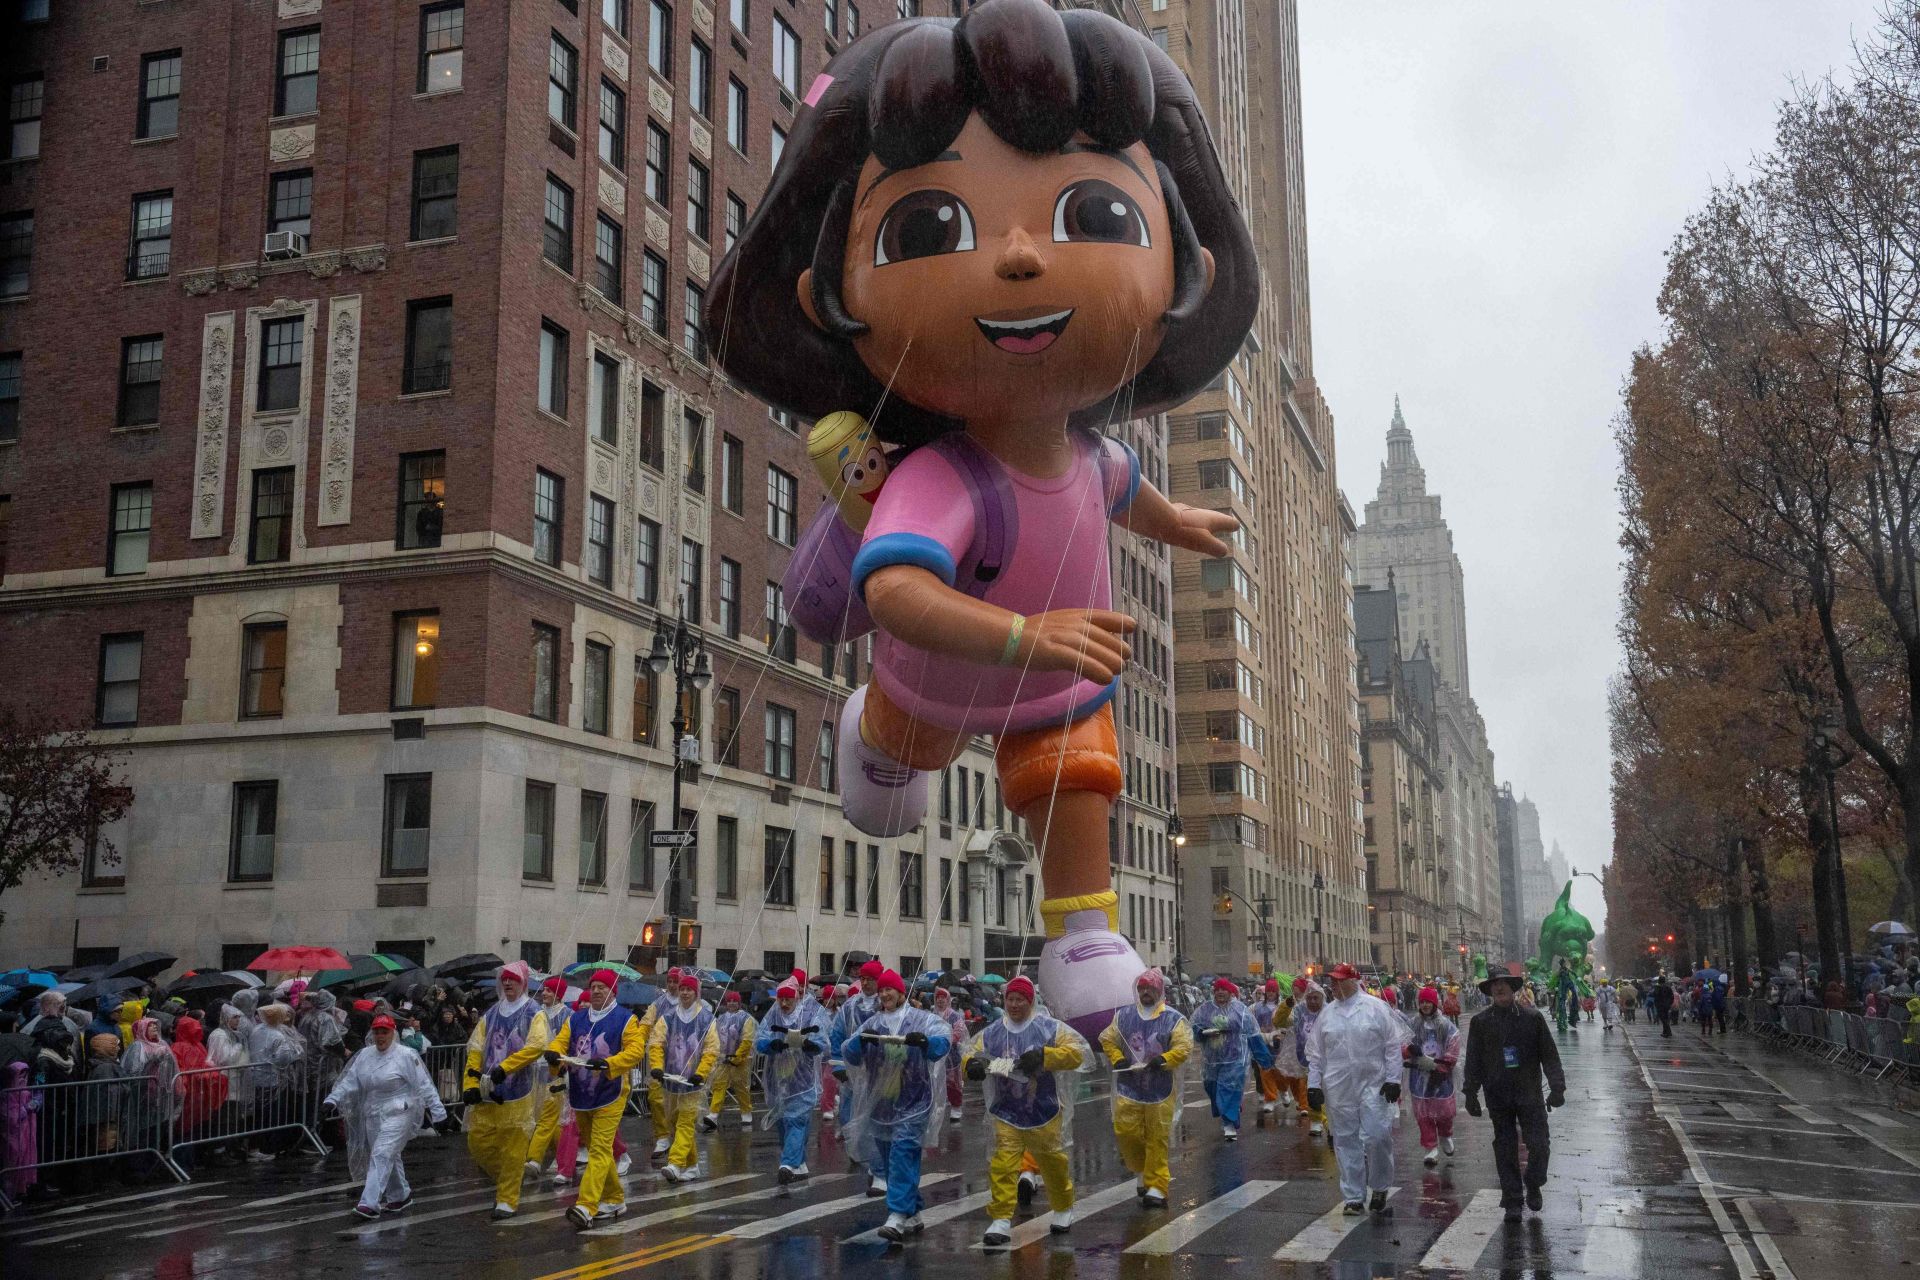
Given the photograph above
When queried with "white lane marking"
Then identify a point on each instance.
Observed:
(1035, 1229)
(1461, 1244)
(1186, 1228)
(1847, 1201)
(41, 1220)
(1901, 1156)
(1667, 1112)
(1885, 1122)
(1688, 1071)
(806, 1216)
(1811, 1164)
(1740, 1111)
(1319, 1238)
(113, 1226)
(1729, 1234)
(310, 1193)
(626, 1226)
(1717, 1090)
(389, 1224)
(287, 1224)
(1763, 1241)
(932, 1216)
(1806, 1114)
(1613, 1244)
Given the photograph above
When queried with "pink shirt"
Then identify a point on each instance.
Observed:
(1022, 542)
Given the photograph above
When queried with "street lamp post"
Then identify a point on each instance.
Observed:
(1833, 756)
(1177, 835)
(680, 649)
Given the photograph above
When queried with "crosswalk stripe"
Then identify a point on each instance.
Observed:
(801, 1217)
(1807, 1114)
(1461, 1244)
(1885, 1122)
(671, 1193)
(933, 1216)
(1809, 1164)
(641, 1223)
(1739, 1111)
(1184, 1229)
(1763, 1241)
(41, 1220)
(1323, 1235)
(309, 1194)
(1036, 1228)
(1664, 1087)
(540, 1197)
(1613, 1246)
(288, 1224)
(96, 1230)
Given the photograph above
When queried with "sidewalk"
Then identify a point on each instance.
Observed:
(1807, 1078)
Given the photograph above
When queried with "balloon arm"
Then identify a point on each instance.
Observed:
(914, 606)
(1154, 515)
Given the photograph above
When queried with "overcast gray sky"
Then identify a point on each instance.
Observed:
(1491, 189)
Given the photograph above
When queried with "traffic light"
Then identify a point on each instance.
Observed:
(1463, 948)
(1223, 905)
(653, 933)
(1669, 937)
(689, 936)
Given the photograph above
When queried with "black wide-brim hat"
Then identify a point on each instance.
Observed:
(1518, 980)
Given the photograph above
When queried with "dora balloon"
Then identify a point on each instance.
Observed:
(991, 238)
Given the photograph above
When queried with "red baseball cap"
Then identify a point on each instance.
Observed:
(383, 1023)
(1344, 972)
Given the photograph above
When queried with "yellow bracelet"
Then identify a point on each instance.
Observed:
(1013, 640)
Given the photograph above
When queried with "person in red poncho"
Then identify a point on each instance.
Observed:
(202, 1092)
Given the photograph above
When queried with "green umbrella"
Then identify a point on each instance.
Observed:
(588, 967)
(993, 978)
(361, 967)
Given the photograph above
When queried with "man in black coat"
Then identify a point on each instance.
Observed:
(1508, 1048)
(1663, 999)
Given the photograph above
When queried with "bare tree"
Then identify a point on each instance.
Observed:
(58, 789)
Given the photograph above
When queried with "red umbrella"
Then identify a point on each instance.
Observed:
(299, 959)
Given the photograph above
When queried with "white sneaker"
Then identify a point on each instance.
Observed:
(746, 1121)
(1446, 1145)
(1266, 1108)
(876, 1187)
(660, 1146)
(623, 1164)
(999, 1232)
(954, 1114)
(801, 1171)
(878, 794)
(533, 1168)
(709, 1122)
(1317, 1129)
(1230, 1133)
(784, 1176)
(560, 1179)
(501, 1209)
(1432, 1157)
(895, 1227)
(1155, 1199)
(1062, 1222)
(610, 1212)
(913, 1225)
(670, 1173)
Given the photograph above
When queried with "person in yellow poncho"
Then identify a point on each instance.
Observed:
(735, 1027)
(656, 1096)
(552, 1097)
(606, 1044)
(681, 1052)
(1913, 1021)
(501, 1055)
(1147, 1042)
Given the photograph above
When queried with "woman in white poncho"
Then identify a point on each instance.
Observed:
(383, 1093)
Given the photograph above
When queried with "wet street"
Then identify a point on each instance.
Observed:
(1674, 1157)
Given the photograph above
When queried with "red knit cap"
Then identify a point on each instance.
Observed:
(732, 997)
(787, 990)
(606, 977)
(689, 982)
(1023, 985)
(873, 969)
(1226, 985)
(555, 984)
(1273, 986)
(1429, 996)
(890, 981)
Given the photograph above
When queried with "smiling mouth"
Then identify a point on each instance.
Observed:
(1025, 337)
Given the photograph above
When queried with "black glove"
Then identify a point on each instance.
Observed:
(696, 1079)
(471, 1097)
(808, 1046)
(446, 1124)
(1556, 1098)
(1390, 1091)
(498, 1075)
(552, 1057)
(1316, 1099)
(776, 1046)
(1158, 1062)
(1031, 1061)
(658, 1074)
(976, 1069)
(596, 1064)
(915, 1039)
(1473, 1104)
(840, 1074)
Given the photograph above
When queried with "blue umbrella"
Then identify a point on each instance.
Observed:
(635, 994)
(39, 978)
(720, 976)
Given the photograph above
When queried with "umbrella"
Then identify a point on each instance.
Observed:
(992, 978)
(148, 965)
(23, 979)
(299, 959)
(586, 968)
(479, 962)
(637, 995)
(374, 968)
(720, 976)
(1886, 929)
(85, 973)
(101, 988)
(211, 982)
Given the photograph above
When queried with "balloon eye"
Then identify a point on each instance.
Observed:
(921, 225)
(1098, 212)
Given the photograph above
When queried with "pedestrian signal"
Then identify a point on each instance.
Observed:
(653, 933)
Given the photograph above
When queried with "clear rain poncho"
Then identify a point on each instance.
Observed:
(684, 1034)
(384, 1098)
(502, 1031)
(325, 1049)
(791, 1077)
(153, 1078)
(1015, 1098)
(1139, 1036)
(1352, 1050)
(1225, 1034)
(896, 1086)
(227, 1049)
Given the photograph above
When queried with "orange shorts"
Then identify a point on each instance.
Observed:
(1082, 756)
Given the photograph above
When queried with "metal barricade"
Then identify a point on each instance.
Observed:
(258, 1109)
(447, 1068)
(81, 1122)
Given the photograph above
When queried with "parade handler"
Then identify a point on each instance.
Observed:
(896, 1061)
(606, 1044)
(1353, 1069)
(1508, 1048)
(735, 1073)
(681, 1053)
(1228, 1034)
(1147, 1042)
(504, 1051)
(383, 1095)
(792, 1040)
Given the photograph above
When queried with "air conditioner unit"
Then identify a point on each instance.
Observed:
(284, 244)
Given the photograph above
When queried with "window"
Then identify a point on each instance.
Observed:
(736, 219)
(737, 115)
(538, 955)
(553, 369)
(646, 578)
(25, 99)
(786, 55)
(296, 89)
(140, 360)
(556, 234)
(16, 254)
(732, 480)
(546, 672)
(599, 563)
(726, 858)
(117, 701)
(726, 726)
(913, 885)
(692, 573)
(693, 450)
(416, 659)
(150, 241)
(653, 291)
(660, 40)
(270, 526)
(645, 701)
(653, 424)
(783, 499)
(130, 527)
(536, 843)
(779, 742)
(829, 778)
(593, 837)
(255, 806)
(777, 147)
(597, 682)
(614, 14)
(779, 635)
(699, 200)
(639, 844)
(700, 78)
(429, 346)
(730, 598)
(853, 20)
(436, 193)
(290, 206)
(906, 8)
(613, 125)
(777, 863)
(738, 13)
(282, 345)
(694, 338)
(159, 95)
(659, 150)
(946, 890)
(563, 77)
(549, 495)
(423, 499)
(606, 392)
(443, 30)
(609, 253)
(10, 396)
(264, 676)
(830, 17)
(403, 852)
(873, 880)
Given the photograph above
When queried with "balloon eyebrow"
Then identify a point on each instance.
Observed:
(888, 173)
(1117, 153)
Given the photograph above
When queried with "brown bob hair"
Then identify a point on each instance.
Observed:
(902, 94)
